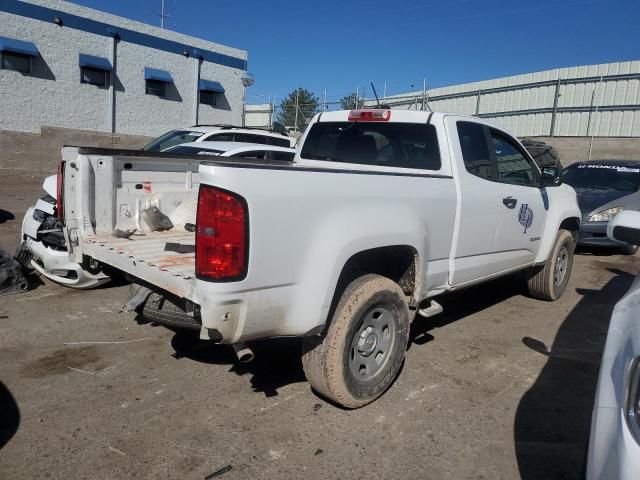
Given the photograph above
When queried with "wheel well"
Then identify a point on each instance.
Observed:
(573, 225)
(396, 262)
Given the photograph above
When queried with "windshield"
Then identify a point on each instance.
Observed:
(169, 139)
(405, 145)
(186, 150)
(605, 177)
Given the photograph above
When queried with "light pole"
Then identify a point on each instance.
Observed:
(247, 80)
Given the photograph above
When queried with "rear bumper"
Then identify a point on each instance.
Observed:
(594, 234)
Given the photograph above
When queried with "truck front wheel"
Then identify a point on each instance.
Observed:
(548, 282)
(363, 348)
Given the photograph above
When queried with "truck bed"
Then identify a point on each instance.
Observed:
(145, 257)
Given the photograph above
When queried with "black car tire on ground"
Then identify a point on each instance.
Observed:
(166, 310)
(362, 350)
(545, 281)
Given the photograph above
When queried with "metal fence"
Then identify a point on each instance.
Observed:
(593, 100)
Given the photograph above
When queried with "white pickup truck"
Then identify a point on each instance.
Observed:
(380, 212)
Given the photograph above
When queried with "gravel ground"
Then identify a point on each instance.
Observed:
(499, 386)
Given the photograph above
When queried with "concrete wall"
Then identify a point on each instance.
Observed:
(54, 97)
(573, 149)
(38, 154)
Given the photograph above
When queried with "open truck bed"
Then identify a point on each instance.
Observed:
(148, 254)
(107, 191)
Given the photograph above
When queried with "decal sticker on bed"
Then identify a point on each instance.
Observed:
(525, 217)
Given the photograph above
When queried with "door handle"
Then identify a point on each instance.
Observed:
(510, 202)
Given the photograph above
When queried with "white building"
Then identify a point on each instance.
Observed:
(74, 68)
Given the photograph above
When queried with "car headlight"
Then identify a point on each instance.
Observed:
(632, 404)
(605, 215)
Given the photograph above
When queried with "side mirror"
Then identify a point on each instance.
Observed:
(625, 227)
(551, 177)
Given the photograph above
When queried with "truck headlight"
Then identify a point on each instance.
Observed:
(605, 215)
(632, 404)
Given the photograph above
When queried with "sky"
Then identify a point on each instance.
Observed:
(337, 46)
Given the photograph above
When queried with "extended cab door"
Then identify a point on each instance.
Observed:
(521, 220)
(500, 211)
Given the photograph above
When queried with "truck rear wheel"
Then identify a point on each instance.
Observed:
(549, 281)
(362, 351)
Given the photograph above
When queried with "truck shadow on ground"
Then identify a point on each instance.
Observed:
(553, 418)
(276, 364)
(466, 302)
(9, 415)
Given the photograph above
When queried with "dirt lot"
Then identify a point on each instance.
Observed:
(500, 386)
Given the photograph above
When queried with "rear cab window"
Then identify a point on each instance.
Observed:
(400, 145)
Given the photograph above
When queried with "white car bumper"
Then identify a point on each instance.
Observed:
(56, 264)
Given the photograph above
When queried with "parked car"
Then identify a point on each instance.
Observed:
(543, 154)
(605, 188)
(380, 212)
(219, 133)
(614, 444)
(234, 149)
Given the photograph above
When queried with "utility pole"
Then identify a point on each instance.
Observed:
(424, 93)
(357, 96)
(161, 14)
(384, 92)
(296, 121)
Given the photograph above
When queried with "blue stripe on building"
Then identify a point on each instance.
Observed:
(45, 14)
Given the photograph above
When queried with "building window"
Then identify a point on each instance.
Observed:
(157, 88)
(94, 76)
(16, 62)
(208, 98)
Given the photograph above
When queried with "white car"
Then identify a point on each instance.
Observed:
(218, 133)
(234, 149)
(614, 446)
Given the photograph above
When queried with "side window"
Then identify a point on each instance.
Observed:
(254, 154)
(287, 156)
(247, 137)
(220, 137)
(513, 166)
(475, 151)
(280, 142)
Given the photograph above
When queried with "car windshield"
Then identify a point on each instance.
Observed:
(405, 145)
(169, 139)
(188, 150)
(604, 177)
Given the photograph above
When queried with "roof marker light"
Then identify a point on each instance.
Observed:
(369, 115)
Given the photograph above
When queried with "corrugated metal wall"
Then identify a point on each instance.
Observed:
(601, 100)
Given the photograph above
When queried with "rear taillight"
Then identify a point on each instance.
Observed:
(60, 193)
(369, 115)
(222, 235)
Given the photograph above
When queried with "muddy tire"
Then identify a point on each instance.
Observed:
(548, 282)
(165, 310)
(362, 350)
